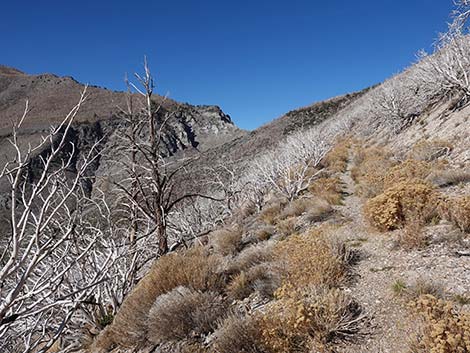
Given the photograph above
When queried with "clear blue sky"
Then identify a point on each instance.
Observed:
(256, 59)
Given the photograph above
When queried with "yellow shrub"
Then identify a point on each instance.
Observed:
(446, 329)
(402, 202)
(309, 320)
(312, 259)
(409, 169)
(459, 212)
(330, 189)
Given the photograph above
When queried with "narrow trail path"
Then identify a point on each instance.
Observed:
(373, 275)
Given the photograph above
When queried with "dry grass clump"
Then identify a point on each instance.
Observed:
(313, 259)
(316, 208)
(227, 241)
(426, 150)
(239, 334)
(296, 208)
(265, 232)
(270, 213)
(337, 158)
(370, 166)
(448, 177)
(251, 256)
(183, 313)
(402, 203)
(195, 269)
(445, 328)
(287, 226)
(458, 212)
(328, 188)
(261, 278)
(309, 319)
(319, 211)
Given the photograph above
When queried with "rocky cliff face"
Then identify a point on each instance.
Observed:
(192, 129)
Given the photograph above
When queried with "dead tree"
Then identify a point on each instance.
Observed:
(50, 261)
(149, 182)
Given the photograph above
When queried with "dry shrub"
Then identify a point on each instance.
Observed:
(313, 259)
(227, 241)
(310, 319)
(370, 166)
(448, 177)
(195, 269)
(316, 208)
(401, 203)
(319, 211)
(239, 334)
(458, 212)
(295, 208)
(270, 213)
(407, 170)
(265, 233)
(183, 313)
(337, 158)
(412, 236)
(430, 150)
(262, 278)
(287, 226)
(251, 256)
(445, 328)
(328, 188)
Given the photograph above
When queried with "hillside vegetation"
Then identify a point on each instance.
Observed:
(339, 227)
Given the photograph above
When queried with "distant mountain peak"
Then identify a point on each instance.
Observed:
(10, 71)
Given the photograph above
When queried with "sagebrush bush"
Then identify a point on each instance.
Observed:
(271, 212)
(445, 328)
(239, 334)
(183, 313)
(328, 188)
(316, 208)
(251, 256)
(263, 278)
(313, 259)
(459, 212)
(309, 319)
(287, 226)
(405, 201)
(295, 208)
(265, 233)
(428, 150)
(195, 269)
(227, 241)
